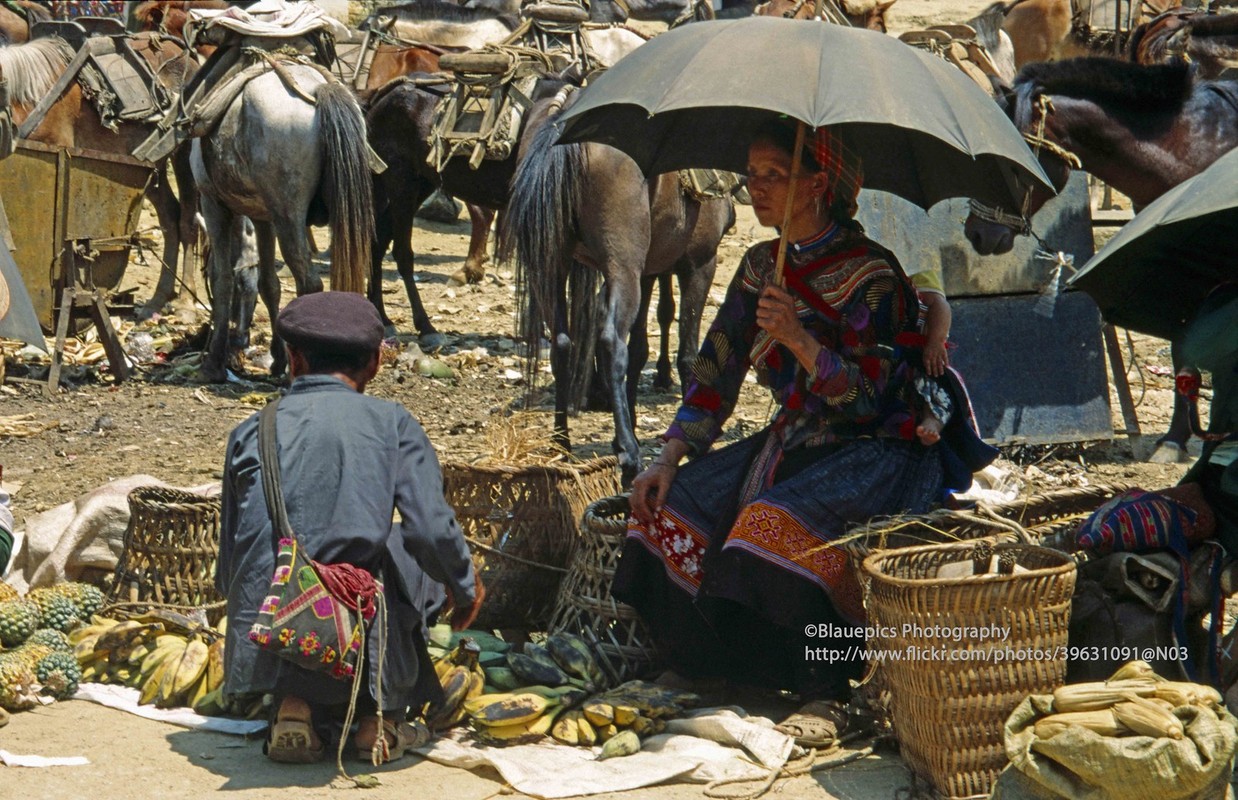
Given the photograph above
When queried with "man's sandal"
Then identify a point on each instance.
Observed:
(818, 725)
(293, 741)
(396, 740)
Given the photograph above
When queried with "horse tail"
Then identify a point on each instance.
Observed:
(346, 185)
(538, 226)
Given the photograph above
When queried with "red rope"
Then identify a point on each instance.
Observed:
(347, 584)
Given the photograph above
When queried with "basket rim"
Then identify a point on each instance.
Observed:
(871, 568)
(559, 470)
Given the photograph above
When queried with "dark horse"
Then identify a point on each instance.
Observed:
(1141, 129)
(583, 209)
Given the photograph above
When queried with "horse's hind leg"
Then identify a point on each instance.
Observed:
(218, 225)
(560, 364)
(625, 296)
(694, 283)
(269, 288)
(402, 252)
(475, 263)
(666, 315)
(638, 342)
(378, 249)
(1171, 448)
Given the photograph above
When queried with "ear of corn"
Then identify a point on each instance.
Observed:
(1147, 718)
(1136, 670)
(1098, 695)
(1101, 721)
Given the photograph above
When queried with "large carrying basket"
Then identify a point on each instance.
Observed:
(520, 522)
(950, 690)
(585, 606)
(170, 550)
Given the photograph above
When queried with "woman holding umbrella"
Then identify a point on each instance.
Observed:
(729, 556)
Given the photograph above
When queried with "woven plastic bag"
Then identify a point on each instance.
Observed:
(1083, 765)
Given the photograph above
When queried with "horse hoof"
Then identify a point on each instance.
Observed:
(458, 278)
(431, 341)
(1169, 453)
(211, 375)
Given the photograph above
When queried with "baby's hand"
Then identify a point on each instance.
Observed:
(935, 359)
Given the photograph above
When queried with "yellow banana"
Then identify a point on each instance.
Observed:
(150, 689)
(587, 735)
(623, 743)
(191, 667)
(215, 664)
(511, 709)
(566, 729)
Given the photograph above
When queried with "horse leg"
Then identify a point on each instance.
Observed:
(269, 288)
(694, 283)
(475, 264)
(402, 251)
(378, 249)
(187, 191)
(666, 315)
(638, 342)
(245, 286)
(218, 226)
(1171, 448)
(625, 295)
(294, 247)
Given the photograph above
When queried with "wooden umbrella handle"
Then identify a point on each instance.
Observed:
(785, 242)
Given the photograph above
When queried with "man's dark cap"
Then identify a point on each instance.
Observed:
(336, 322)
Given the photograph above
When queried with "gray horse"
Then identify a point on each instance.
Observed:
(579, 210)
(284, 163)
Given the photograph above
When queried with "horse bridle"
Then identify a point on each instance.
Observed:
(1021, 223)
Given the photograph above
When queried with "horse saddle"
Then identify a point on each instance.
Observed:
(481, 116)
(960, 46)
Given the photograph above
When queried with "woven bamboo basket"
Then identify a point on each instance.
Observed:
(948, 709)
(1049, 519)
(170, 550)
(585, 606)
(520, 522)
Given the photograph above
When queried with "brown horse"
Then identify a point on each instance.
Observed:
(867, 14)
(1051, 30)
(33, 67)
(169, 17)
(1210, 41)
(14, 26)
(1141, 129)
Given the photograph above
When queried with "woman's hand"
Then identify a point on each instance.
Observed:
(463, 616)
(649, 490)
(776, 315)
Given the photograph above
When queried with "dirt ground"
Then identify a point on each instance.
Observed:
(163, 424)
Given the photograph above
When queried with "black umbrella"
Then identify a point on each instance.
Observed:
(1154, 273)
(693, 97)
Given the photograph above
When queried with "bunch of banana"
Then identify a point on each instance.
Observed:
(172, 660)
(461, 675)
(1134, 701)
(522, 716)
(563, 659)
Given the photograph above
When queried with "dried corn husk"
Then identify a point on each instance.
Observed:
(521, 440)
(1099, 694)
(23, 425)
(1147, 718)
(1102, 721)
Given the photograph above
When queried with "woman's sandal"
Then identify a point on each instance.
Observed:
(818, 725)
(293, 741)
(398, 737)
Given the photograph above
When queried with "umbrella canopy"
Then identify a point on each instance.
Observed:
(1154, 273)
(18, 319)
(693, 97)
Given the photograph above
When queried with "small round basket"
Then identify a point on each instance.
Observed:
(170, 550)
(585, 606)
(520, 522)
(952, 689)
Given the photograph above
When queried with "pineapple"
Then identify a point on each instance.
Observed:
(7, 592)
(88, 599)
(52, 638)
(55, 610)
(59, 673)
(18, 619)
(17, 681)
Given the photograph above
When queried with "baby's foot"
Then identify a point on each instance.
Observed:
(929, 431)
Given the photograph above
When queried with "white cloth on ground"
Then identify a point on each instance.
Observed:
(711, 745)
